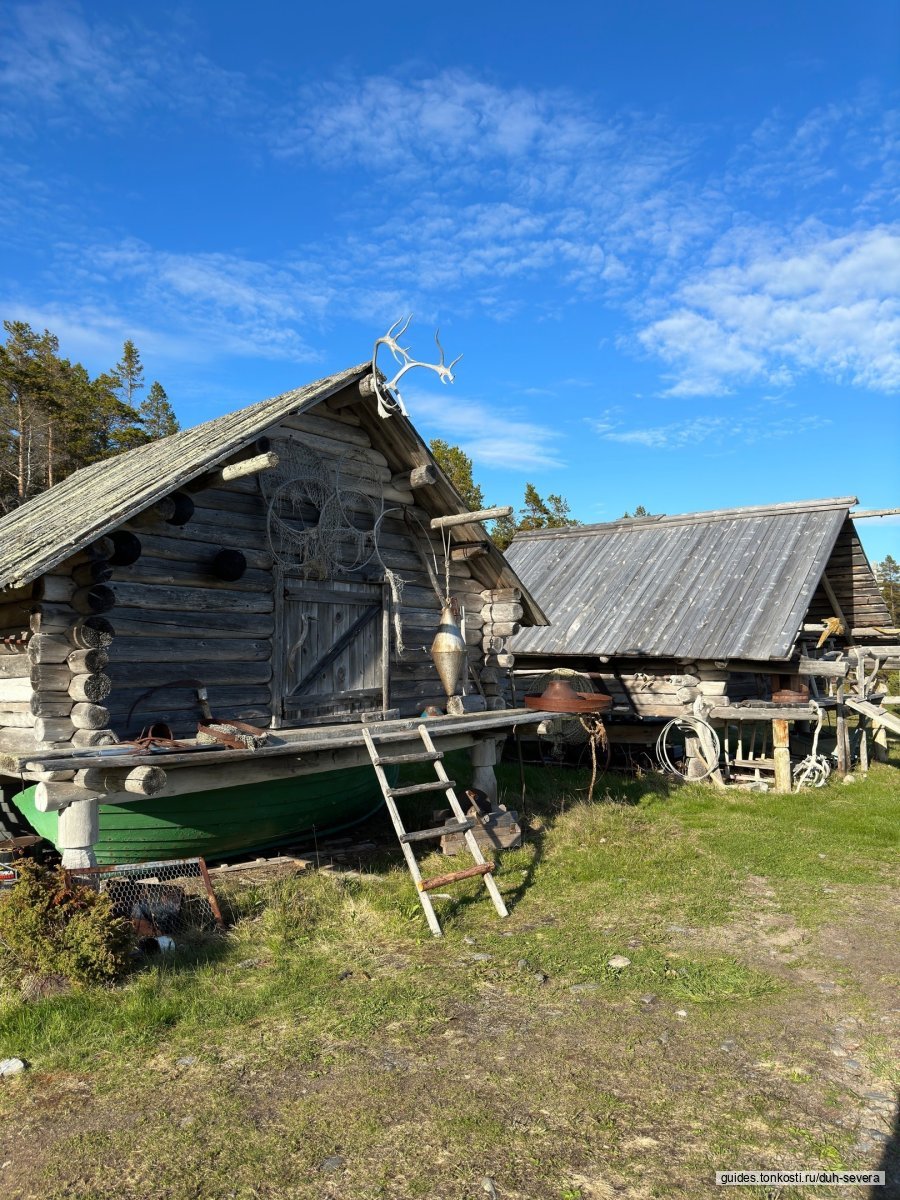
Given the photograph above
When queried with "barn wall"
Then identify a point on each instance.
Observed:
(854, 584)
(654, 687)
(176, 624)
(16, 717)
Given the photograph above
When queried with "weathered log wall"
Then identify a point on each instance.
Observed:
(183, 596)
(658, 688)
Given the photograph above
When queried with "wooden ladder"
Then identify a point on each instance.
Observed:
(462, 823)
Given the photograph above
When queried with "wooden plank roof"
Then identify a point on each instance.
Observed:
(96, 499)
(727, 584)
(57, 523)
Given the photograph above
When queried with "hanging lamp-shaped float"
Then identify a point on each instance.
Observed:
(448, 650)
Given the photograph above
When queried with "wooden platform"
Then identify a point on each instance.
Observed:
(293, 743)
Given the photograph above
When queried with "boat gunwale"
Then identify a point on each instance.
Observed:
(307, 739)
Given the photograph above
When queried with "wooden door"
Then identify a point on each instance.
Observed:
(332, 651)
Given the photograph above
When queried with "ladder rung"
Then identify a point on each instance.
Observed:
(422, 835)
(397, 760)
(428, 885)
(436, 785)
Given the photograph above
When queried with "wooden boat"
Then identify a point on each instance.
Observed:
(203, 576)
(223, 821)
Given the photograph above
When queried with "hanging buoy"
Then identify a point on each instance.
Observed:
(448, 650)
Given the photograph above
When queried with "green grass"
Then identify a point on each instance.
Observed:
(328, 1022)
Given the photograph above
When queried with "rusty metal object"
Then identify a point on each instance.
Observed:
(559, 696)
(448, 650)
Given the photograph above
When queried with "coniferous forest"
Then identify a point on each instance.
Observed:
(55, 417)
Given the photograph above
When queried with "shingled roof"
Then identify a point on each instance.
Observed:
(83, 507)
(727, 584)
(61, 521)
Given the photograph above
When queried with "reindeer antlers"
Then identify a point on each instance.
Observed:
(388, 404)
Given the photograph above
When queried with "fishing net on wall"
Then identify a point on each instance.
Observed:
(324, 513)
(564, 730)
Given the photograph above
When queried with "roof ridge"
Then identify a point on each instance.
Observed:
(689, 518)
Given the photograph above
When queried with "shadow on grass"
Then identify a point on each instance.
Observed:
(890, 1164)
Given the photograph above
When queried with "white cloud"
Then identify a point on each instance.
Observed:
(57, 58)
(811, 302)
(717, 432)
(491, 435)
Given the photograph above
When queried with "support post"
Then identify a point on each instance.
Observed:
(880, 743)
(781, 752)
(843, 743)
(483, 756)
(78, 833)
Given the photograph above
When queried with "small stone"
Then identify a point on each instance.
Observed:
(619, 962)
(728, 1045)
(849, 779)
(663, 1037)
(879, 1098)
(523, 964)
(648, 998)
(345, 975)
(480, 958)
(12, 1066)
(333, 1163)
(853, 1064)
(681, 1012)
(838, 1052)
(247, 963)
(876, 1135)
(540, 977)
(469, 941)
(188, 1061)
(487, 1186)
(584, 987)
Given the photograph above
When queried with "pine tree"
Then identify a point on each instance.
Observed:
(457, 466)
(156, 414)
(129, 373)
(640, 511)
(888, 575)
(535, 513)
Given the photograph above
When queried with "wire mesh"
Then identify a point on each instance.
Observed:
(161, 899)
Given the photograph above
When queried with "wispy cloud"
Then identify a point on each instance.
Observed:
(785, 306)
(477, 199)
(59, 60)
(716, 432)
(491, 434)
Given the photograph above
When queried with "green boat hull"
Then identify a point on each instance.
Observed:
(225, 821)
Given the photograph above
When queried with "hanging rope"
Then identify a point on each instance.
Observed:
(596, 731)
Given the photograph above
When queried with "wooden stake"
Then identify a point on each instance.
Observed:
(782, 755)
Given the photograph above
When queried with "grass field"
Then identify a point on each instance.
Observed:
(328, 1047)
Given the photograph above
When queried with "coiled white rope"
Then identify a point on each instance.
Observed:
(813, 771)
(687, 725)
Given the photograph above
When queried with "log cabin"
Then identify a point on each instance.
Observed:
(735, 615)
(282, 568)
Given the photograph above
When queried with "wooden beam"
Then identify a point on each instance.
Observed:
(249, 466)
(866, 514)
(470, 518)
(838, 611)
(470, 550)
(424, 476)
(824, 668)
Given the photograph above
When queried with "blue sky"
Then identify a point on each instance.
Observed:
(666, 238)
